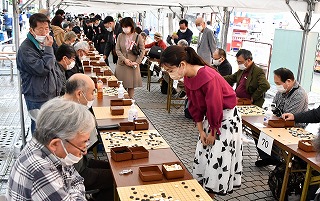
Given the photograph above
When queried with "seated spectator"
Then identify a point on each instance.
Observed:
(58, 32)
(158, 42)
(44, 169)
(65, 27)
(65, 57)
(82, 49)
(146, 38)
(290, 98)
(221, 63)
(183, 43)
(96, 173)
(70, 38)
(251, 80)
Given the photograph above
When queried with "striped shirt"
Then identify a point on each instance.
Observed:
(38, 174)
(292, 102)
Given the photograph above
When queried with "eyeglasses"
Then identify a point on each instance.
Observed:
(82, 150)
(241, 62)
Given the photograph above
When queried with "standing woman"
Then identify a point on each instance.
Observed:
(218, 159)
(127, 68)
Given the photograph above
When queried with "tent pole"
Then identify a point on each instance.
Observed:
(17, 42)
(306, 30)
(225, 27)
(48, 5)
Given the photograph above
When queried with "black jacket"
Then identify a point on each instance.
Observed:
(224, 68)
(311, 116)
(110, 38)
(186, 35)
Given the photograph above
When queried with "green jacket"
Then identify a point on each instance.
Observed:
(256, 84)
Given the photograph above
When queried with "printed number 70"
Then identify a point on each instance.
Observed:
(265, 143)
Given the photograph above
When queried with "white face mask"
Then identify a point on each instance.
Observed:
(89, 103)
(70, 159)
(109, 29)
(216, 62)
(40, 39)
(280, 88)
(199, 28)
(242, 67)
(183, 30)
(126, 29)
(71, 65)
(177, 74)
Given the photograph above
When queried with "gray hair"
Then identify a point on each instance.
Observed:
(69, 35)
(83, 45)
(182, 43)
(64, 119)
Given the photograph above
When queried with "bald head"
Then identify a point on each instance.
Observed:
(80, 87)
(200, 24)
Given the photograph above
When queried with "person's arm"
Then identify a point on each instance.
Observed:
(214, 103)
(311, 116)
(263, 85)
(48, 184)
(162, 44)
(189, 36)
(142, 49)
(212, 42)
(121, 57)
(109, 45)
(150, 45)
(231, 79)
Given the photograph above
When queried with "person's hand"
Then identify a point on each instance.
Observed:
(203, 138)
(174, 36)
(134, 64)
(128, 62)
(48, 41)
(104, 56)
(211, 137)
(287, 116)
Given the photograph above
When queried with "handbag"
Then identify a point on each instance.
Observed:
(135, 50)
(155, 52)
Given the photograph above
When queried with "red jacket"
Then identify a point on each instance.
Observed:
(160, 44)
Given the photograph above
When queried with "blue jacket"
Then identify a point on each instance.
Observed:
(39, 72)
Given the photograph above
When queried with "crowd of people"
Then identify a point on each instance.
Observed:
(49, 62)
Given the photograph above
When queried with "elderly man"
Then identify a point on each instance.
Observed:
(290, 98)
(206, 41)
(96, 174)
(113, 30)
(251, 80)
(44, 170)
(157, 42)
(37, 65)
(82, 49)
(221, 63)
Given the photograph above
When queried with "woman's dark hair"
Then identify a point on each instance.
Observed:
(127, 22)
(284, 74)
(57, 20)
(37, 17)
(173, 55)
(65, 50)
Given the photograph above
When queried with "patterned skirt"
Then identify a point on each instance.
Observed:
(218, 167)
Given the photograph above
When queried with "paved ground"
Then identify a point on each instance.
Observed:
(179, 132)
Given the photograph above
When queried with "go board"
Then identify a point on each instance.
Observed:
(187, 190)
(149, 139)
(105, 113)
(288, 136)
(251, 110)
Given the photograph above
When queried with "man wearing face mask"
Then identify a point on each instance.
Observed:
(82, 49)
(99, 32)
(183, 33)
(66, 60)
(206, 41)
(221, 63)
(37, 65)
(250, 79)
(97, 174)
(290, 98)
(113, 30)
(44, 169)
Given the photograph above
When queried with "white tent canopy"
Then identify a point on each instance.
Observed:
(189, 5)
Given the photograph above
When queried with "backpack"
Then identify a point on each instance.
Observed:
(295, 182)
